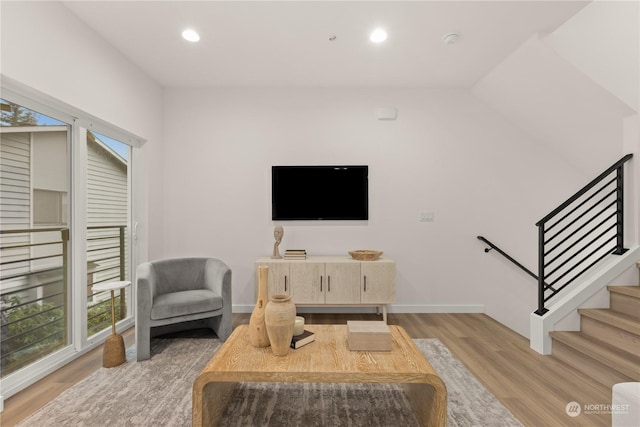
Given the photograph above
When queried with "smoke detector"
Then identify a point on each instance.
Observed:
(451, 38)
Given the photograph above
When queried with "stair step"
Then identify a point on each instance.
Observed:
(625, 299)
(610, 357)
(613, 318)
(586, 365)
(614, 328)
(632, 291)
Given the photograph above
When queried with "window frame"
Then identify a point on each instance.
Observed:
(79, 122)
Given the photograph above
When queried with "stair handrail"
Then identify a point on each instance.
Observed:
(507, 256)
(545, 282)
(584, 189)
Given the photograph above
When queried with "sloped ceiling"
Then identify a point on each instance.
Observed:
(573, 88)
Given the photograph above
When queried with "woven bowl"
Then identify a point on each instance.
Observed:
(365, 255)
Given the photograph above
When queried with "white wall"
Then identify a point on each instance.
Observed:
(603, 40)
(445, 153)
(203, 176)
(574, 117)
(46, 48)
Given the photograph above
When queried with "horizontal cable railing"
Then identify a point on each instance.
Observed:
(34, 289)
(581, 232)
(33, 295)
(509, 257)
(578, 234)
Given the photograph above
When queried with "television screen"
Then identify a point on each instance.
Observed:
(319, 193)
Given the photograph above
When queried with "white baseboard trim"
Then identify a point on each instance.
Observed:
(436, 308)
(393, 308)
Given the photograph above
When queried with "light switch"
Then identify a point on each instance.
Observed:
(427, 217)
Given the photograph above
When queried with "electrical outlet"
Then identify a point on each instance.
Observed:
(427, 217)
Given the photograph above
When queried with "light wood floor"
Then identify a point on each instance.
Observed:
(535, 388)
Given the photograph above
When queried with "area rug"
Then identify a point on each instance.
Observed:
(157, 392)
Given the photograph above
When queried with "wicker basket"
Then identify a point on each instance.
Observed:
(365, 255)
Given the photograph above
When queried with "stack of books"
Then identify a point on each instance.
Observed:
(295, 254)
(304, 338)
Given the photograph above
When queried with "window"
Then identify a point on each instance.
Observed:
(64, 225)
(107, 218)
(34, 296)
(49, 207)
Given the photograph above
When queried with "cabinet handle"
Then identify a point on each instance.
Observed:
(365, 283)
(320, 283)
(285, 283)
(328, 283)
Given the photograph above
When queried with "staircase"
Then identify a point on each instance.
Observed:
(607, 348)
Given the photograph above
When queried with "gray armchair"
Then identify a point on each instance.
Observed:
(182, 293)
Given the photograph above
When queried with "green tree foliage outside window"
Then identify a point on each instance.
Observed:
(15, 115)
(31, 331)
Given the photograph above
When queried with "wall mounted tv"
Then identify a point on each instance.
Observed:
(319, 193)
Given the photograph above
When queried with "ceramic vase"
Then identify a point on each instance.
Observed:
(257, 328)
(280, 317)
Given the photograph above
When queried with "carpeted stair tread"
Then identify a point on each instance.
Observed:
(622, 361)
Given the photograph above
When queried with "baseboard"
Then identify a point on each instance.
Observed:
(392, 308)
(436, 308)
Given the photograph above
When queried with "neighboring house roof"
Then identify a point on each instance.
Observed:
(39, 129)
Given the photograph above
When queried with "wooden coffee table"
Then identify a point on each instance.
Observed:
(327, 360)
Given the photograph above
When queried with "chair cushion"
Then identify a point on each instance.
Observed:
(184, 303)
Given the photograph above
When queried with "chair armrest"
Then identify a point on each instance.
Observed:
(217, 277)
(145, 289)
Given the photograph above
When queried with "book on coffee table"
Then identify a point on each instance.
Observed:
(304, 338)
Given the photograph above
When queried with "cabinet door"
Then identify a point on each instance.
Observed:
(378, 282)
(278, 282)
(307, 282)
(343, 283)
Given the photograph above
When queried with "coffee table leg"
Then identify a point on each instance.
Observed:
(429, 404)
(208, 410)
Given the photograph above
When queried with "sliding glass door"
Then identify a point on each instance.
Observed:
(107, 227)
(65, 209)
(34, 235)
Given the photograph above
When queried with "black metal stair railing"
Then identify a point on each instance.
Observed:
(506, 255)
(578, 234)
(509, 257)
(581, 232)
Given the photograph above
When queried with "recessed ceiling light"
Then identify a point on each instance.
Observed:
(378, 35)
(190, 35)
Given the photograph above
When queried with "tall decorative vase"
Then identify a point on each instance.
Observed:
(257, 328)
(280, 317)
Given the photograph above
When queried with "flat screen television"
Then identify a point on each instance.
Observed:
(319, 193)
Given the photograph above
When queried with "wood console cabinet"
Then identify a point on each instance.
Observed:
(332, 281)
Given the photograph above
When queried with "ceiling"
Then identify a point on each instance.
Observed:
(286, 43)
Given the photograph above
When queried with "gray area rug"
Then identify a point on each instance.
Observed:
(157, 392)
